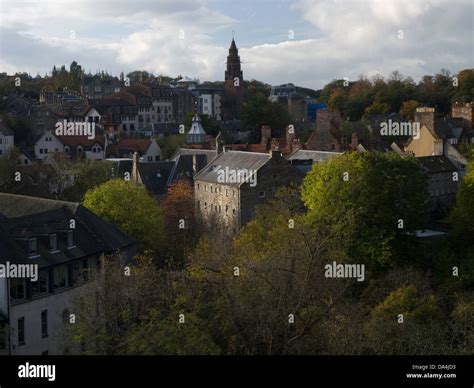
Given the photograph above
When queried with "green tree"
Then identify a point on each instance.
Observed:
(407, 111)
(377, 108)
(462, 216)
(115, 305)
(132, 209)
(169, 144)
(269, 289)
(86, 175)
(258, 111)
(369, 201)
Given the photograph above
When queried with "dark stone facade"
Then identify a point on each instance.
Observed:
(228, 207)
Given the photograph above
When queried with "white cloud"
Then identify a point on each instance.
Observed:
(349, 38)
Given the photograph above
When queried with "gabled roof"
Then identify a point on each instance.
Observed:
(25, 217)
(74, 141)
(211, 154)
(156, 176)
(129, 145)
(233, 160)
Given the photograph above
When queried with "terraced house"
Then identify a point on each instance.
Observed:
(64, 242)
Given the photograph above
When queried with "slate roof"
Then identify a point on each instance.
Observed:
(84, 141)
(185, 166)
(315, 156)
(127, 146)
(211, 154)
(156, 176)
(25, 217)
(233, 160)
(437, 164)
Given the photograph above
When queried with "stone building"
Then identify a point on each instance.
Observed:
(444, 178)
(464, 111)
(327, 135)
(230, 187)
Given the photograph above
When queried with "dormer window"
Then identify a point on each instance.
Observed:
(70, 239)
(53, 242)
(33, 247)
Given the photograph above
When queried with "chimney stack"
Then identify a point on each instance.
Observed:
(219, 144)
(275, 153)
(135, 167)
(194, 164)
(425, 116)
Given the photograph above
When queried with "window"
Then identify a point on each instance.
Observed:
(60, 276)
(21, 331)
(44, 323)
(261, 194)
(33, 247)
(17, 289)
(53, 242)
(41, 285)
(70, 239)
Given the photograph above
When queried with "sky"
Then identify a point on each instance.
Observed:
(306, 42)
